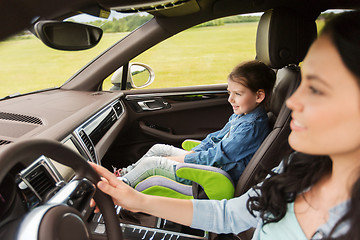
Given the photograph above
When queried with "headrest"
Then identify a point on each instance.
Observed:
(286, 82)
(283, 37)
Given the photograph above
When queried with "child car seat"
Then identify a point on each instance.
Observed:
(283, 38)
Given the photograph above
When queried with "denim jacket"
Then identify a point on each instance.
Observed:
(232, 147)
(232, 216)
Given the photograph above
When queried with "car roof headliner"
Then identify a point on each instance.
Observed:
(18, 15)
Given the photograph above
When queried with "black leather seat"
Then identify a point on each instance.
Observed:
(283, 38)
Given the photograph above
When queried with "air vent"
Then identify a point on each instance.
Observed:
(4, 142)
(20, 118)
(103, 127)
(88, 143)
(40, 181)
(118, 109)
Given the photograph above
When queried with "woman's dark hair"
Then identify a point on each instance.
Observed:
(301, 171)
(344, 32)
(255, 75)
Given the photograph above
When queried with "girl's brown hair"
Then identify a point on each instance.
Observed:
(255, 75)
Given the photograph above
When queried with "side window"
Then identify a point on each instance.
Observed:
(202, 55)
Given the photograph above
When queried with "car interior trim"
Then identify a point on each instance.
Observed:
(154, 231)
(152, 95)
(83, 132)
(41, 169)
(30, 225)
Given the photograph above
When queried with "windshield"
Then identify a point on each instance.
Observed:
(27, 65)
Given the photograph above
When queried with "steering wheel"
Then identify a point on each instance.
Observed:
(57, 219)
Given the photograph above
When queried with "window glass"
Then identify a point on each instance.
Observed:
(26, 64)
(205, 54)
(201, 55)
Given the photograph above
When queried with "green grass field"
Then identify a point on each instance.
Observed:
(201, 55)
(28, 65)
(194, 57)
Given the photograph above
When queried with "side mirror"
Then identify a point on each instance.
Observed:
(69, 36)
(139, 75)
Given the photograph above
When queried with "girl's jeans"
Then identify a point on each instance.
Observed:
(154, 162)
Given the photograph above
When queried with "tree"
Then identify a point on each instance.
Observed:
(125, 24)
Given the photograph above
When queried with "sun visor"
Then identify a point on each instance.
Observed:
(140, 5)
(283, 37)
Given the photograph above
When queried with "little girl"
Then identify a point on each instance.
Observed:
(249, 86)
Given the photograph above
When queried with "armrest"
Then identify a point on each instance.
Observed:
(188, 144)
(216, 183)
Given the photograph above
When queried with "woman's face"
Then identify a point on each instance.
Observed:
(326, 106)
(241, 98)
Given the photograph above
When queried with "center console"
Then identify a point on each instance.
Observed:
(143, 226)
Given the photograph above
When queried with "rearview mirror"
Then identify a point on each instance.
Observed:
(68, 36)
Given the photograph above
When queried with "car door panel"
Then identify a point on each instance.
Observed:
(191, 113)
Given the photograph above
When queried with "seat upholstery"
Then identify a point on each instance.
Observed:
(275, 144)
(165, 187)
(283, 38)
(189, 144)
(205, 176)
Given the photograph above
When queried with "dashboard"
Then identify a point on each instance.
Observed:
(88, 123)
(84, 138)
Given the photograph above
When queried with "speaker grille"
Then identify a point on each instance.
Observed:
(20, 118)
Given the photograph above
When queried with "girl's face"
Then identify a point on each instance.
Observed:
(241, 98)
(326, 106)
